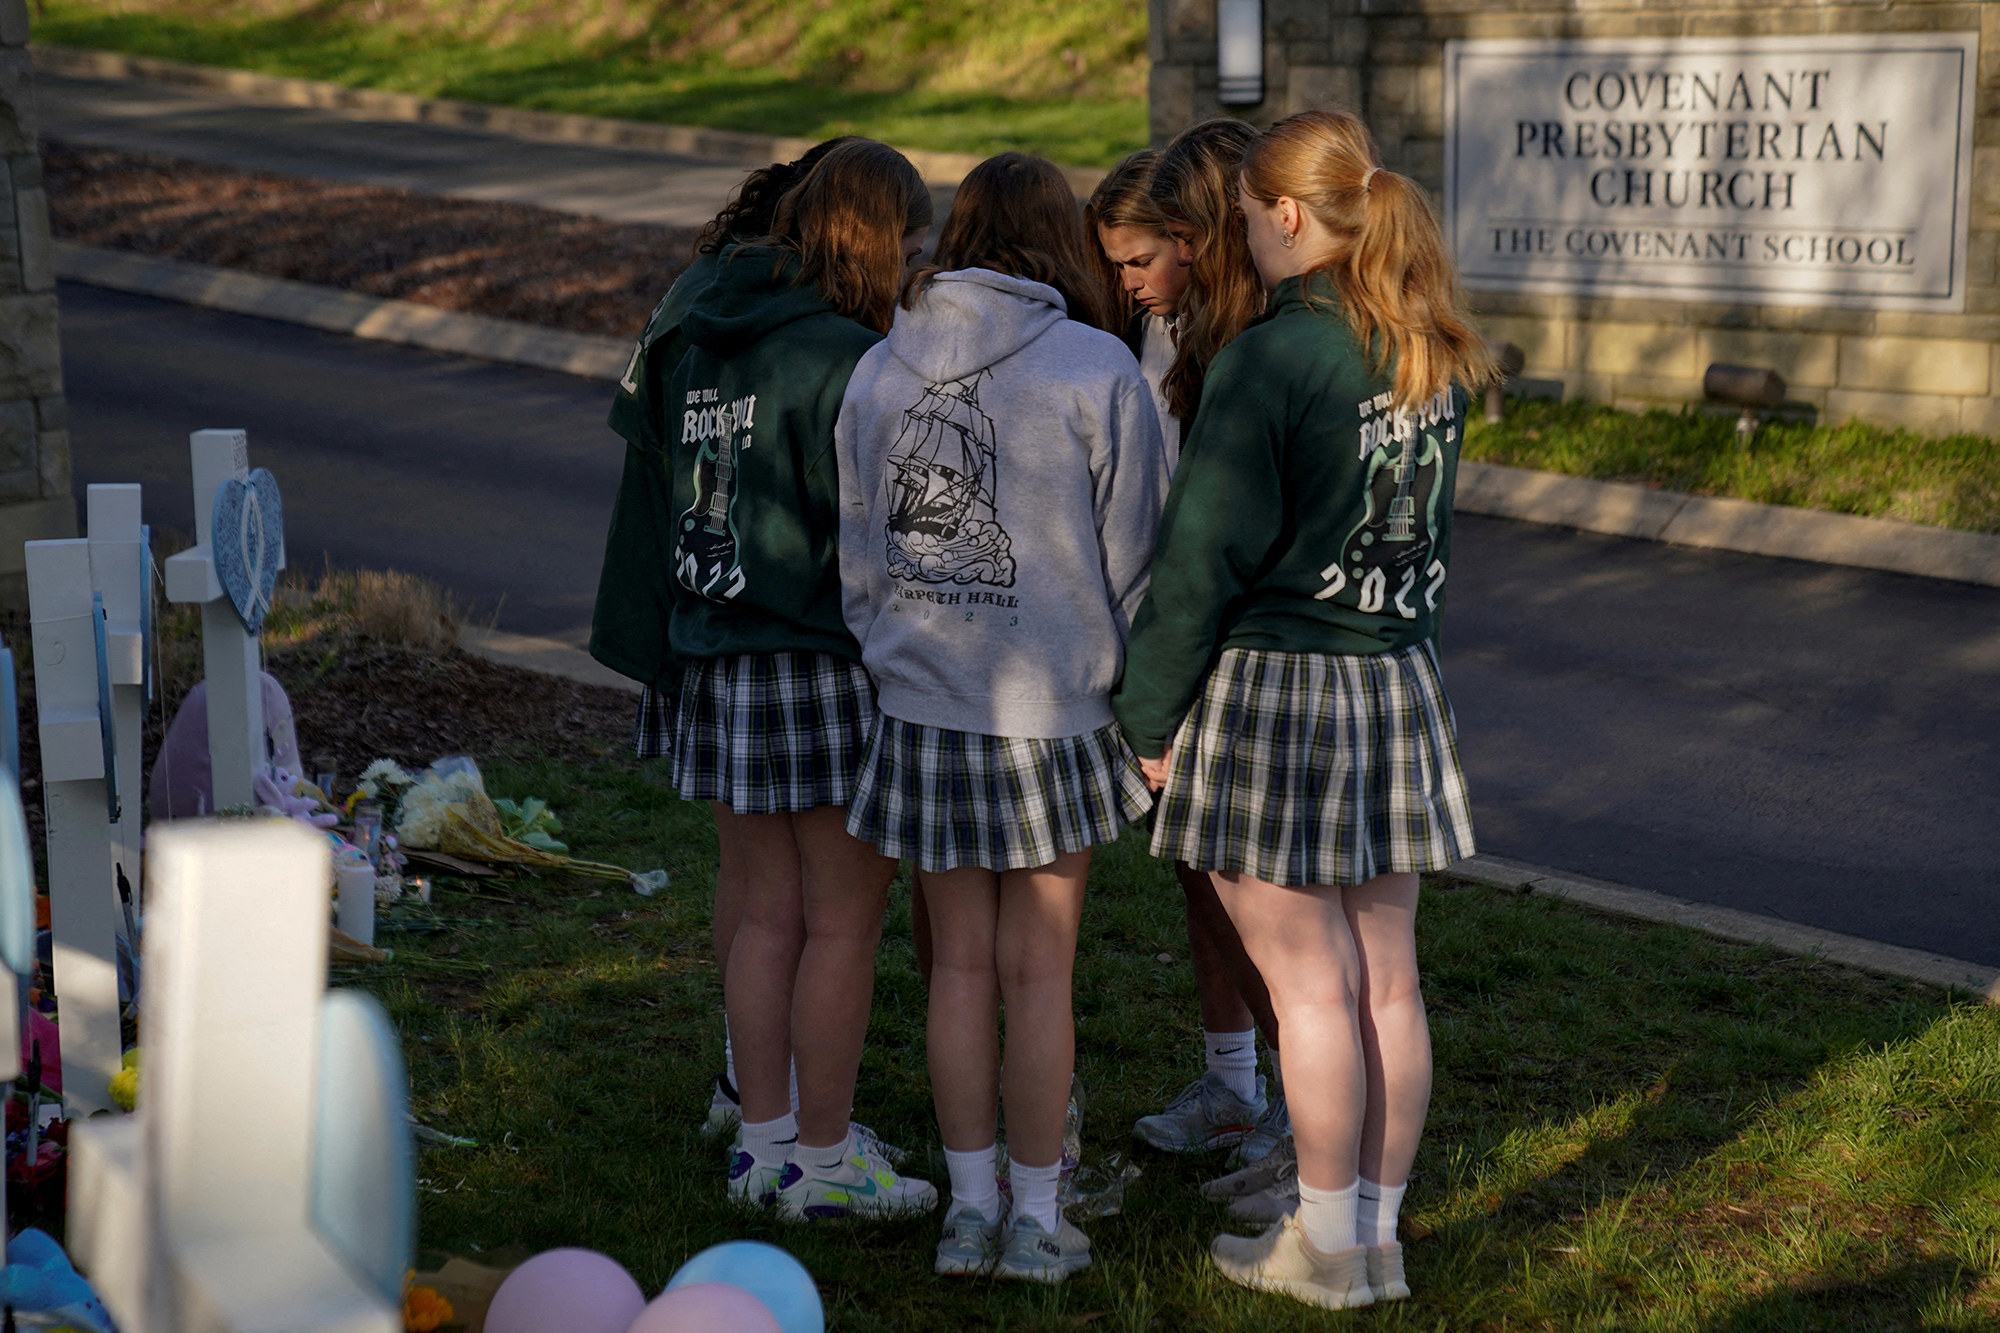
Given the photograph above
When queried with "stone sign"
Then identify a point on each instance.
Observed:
(1818, 171)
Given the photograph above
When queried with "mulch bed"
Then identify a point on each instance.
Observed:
(509, 261)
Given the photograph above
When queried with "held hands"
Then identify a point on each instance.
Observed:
(1155, 771)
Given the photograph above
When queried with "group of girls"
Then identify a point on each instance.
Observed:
(882, 556)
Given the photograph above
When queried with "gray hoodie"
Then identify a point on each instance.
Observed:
(1001, 481)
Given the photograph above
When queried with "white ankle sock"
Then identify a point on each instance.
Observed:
(1375, 1216)
(728, 1057)
(1328, 1217)
(828, 1158)
(1232, 1058)
(771, 1143)
(1035, 1193)
(973, 1183)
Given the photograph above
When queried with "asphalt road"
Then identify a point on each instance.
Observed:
(1805, 741)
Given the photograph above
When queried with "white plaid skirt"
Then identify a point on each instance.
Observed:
(1310, 768)
(960, 798)
(771, 732)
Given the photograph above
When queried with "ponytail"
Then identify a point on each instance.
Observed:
(1398, 286)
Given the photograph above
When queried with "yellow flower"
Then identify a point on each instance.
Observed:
(424, 1309)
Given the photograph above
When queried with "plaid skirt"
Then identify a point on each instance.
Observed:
(1310, 768)
(960, 798)
(653, 729)
(771, 732)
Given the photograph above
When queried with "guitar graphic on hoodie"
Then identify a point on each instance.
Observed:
(1388, 553)
(706, 557)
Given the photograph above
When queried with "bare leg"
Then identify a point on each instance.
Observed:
(730, 886)
(1232, 992)
(764, 961)
(845, 888)
(963, 1029)
(1035, 956)
(1300, 941)
(920, 925)
(1395, 1035)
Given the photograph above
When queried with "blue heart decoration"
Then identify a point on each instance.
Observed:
(248, 536)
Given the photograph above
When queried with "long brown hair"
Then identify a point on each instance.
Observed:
(752, 209)
(846, 221)
(1398, 285)
(1123, 199)
(1195, 183)
(1016, 214)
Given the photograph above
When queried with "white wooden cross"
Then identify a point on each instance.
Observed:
(264, 1184)
(229, 651)
(121, 572)
(77, 784)
(17, 896)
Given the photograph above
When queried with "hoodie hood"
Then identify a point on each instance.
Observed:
(752, 295)
(968, 319)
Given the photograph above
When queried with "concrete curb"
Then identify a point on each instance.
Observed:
(345, 312)
(1727, 923)
(551, 657)
(1626, 510)
(733, 146)
(1617, 508)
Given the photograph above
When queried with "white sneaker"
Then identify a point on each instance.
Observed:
(1274, 1129)
(1281, 1260)
(725, 1113)
(751, 1184)
(1206, 1115)
(861, 1186)
(1272, 1168)
(867, 1141)
(1277, 1200)
(1385, 1272)
(970, 1243)
(1033, 1255)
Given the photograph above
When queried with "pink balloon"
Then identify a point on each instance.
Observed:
(706, 1307)
(566, 1291)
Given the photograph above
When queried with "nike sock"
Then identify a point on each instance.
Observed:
(729, 1058)
(1035, 1193)
(1232, 1058)
(973, 1181)
(1375, 1218)
(829, 1158)
(771, 1143)
(1327, 1217)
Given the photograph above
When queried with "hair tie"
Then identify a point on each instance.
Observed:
(1368, 176)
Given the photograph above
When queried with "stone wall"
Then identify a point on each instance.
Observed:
(1384, 59)
(35, 499)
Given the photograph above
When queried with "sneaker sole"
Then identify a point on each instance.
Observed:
(1227, 1137)
(955, 1267)
(1304, 1291)
(1048, 1275)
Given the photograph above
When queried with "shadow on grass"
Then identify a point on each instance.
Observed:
(1895, 1300)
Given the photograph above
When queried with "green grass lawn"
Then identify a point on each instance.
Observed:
(1951, 481)
(555, 67)
(1635, 1126)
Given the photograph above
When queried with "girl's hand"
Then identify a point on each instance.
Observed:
(1155, 771)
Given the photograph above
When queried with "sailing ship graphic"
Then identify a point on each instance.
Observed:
(942, 523)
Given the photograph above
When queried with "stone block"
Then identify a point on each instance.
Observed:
(30, 352)
(1638, 392)
(1821, 319)
(1626, 25)
(1590, 387)
(38, 263)
(1298, 22)
(52, 412)
(1916, 365)
(1933, 414)
(1348, 38)
(1802, 358)
(13, 23)
(52, 448)
(1183, 20)
(1430, 100)
(1170, 101)
(1982, 259)
(1607, 348)
(1986, 188)
(19, 124)
(1980, 416)
(1916, 324)
(1324, 87)
(1908, 18)
(1545, 342)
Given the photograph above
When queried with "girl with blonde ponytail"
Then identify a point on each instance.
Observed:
(1281, 684)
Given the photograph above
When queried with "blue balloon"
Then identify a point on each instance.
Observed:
(766, 1272)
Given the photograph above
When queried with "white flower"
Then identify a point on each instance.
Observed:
(420, 818)
(383, 775)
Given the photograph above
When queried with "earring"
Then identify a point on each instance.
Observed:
(1285, 239)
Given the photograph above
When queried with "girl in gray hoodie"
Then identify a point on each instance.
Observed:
(1001, 480)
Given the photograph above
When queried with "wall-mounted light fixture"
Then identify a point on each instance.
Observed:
(1239, 52)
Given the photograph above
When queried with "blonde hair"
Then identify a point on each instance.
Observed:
(1124, 199)
(1398, 286)
(1194, 182)
(846, 221)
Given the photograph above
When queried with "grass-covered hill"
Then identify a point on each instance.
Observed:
(1064, 77)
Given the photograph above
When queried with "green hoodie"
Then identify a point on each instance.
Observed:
(628, 629)
(753, 492)
(1307, 514)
